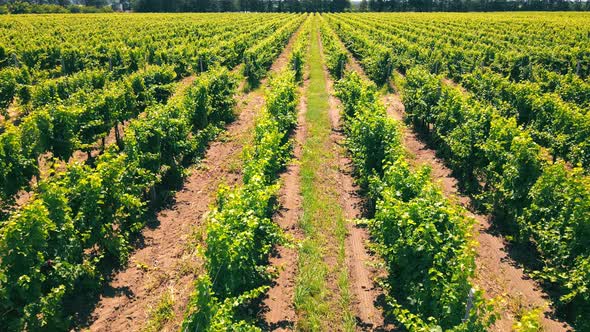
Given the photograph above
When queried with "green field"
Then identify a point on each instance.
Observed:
(115, 213)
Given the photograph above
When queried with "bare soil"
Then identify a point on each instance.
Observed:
(280, 314)
(278, 310)
(361, 263)
(168, 261)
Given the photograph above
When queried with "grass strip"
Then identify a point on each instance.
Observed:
(322, 296)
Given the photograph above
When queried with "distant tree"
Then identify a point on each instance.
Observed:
(227, 6)
(45, 6)
(148, 6)
(364, 6)
(19, 7)
(377, 5)
(340, 5)
(95, 3)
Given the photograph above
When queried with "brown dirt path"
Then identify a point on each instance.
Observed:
(279, 310)
(358, 258)
(496, 272)
(167, 263)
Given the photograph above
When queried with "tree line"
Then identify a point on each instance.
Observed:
(240, 5)
(473, 5)
(55, 6)
(60, 6)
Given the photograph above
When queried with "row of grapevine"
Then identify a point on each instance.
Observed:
(562, 126)
(542, 203)
(300, 48)
(62, 130)
(240, 231)
(462, 55)
(59, 90)
(87, 116)
(11, 81)
(425, 240)
(222, 43)
(230, 52)
(336, 56)
(518, 51)
(81, 220)
(225, 47)
(259, 58)
(61, 45)
(377, 60)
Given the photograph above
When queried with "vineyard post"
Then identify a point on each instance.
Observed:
(118, 136)
(469, 304)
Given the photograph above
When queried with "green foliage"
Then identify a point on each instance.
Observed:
(60, 89)
(540, 203)
(421, 91)
(529, 321)
(82, 219)
(240, 232)
(240, 235)
(336, 55)
(63, 129)
(240, 229)
(429, 251)
(8, 88)
(514, 166)
(556, 221)
(208, 313)
(258, 59)
(561, 126)
(16, 166)
(424, 239)
(376, 60)
(538, 82)
(85, 216)
(300, 49)
(23, 7)
(371, 136)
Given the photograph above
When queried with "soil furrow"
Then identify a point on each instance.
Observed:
(167, 262)
(279, 312)
(358, 258)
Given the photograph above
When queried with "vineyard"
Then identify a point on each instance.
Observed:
(312, 172)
